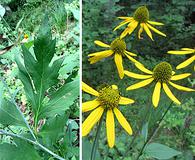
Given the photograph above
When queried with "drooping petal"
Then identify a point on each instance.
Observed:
(130, 53)
(102, 53)
(140, 84)
(110, 130)
(132, 59)
(156, 30)
(114, 86)
(89, 90)
(91, 120)
(180, 76)
(170, 94)
(125, 101)
(155, 23)
(180, 52)
(188, 49)
(131, 27)
(140, 30)
(119, 64)
(186, 62)
(156, 94)
(122, 24)
(182, 88)
(148, 31)
(101, 44)
(90, 105)
(129, 18)
(136, 76)
(98, 58)
(143, 69)
(122, 120)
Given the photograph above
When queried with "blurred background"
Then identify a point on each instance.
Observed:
(99, 20)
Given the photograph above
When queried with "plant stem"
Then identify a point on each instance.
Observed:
(154, 132)
(147, 112)
(96, 142)
(2, 132)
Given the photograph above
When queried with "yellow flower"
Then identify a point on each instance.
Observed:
(182, 52)
(107, 99)
(140, 17)
(118, 48)
(162, 75)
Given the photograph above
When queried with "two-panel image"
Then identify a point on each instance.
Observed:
(97, 80)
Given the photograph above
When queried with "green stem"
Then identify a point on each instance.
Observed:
(154, 132)
(96, 142)
(147, 110)
(2, 132)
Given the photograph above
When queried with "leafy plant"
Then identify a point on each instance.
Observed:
(49, 101)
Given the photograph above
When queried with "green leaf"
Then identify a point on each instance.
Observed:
(61, 100)
(39, 72)
(2, 11)
(21, 150)
(9, 115)
(160, 151)
(53, 129)
(144, 131)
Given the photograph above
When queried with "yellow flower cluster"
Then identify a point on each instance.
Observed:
(108, 98)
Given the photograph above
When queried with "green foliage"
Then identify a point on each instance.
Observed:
(19, 150)
(160, 151)
(43, 81)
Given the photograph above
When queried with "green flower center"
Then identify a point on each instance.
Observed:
(162, 72)
(141, 14)
(118, 46)
(109, 97)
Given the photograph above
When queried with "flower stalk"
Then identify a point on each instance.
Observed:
(154, 132)
(96, 141)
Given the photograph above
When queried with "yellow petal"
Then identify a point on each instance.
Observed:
(132, 59)
(155, 23)
(148, 31)
(130, 53)
(156, 94)
(114, 86)
(143, 69)
(124, 101)
(140, 30)
(91, 120)
(170, 94)
(129, 18)
(181, 87)
(110, 130)
(102, 53)
(186, 62)
(140, 84)
(180, 76)
(136, 76)
(122, 24)
(188, 49)
(156, 30)
(101, 44)
(90, 105)
(98, 57)
(131, 27)
(123, 121)
(180, 52)
(89, 90)
(119, 64)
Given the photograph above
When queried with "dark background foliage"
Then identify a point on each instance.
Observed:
(99, 20)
